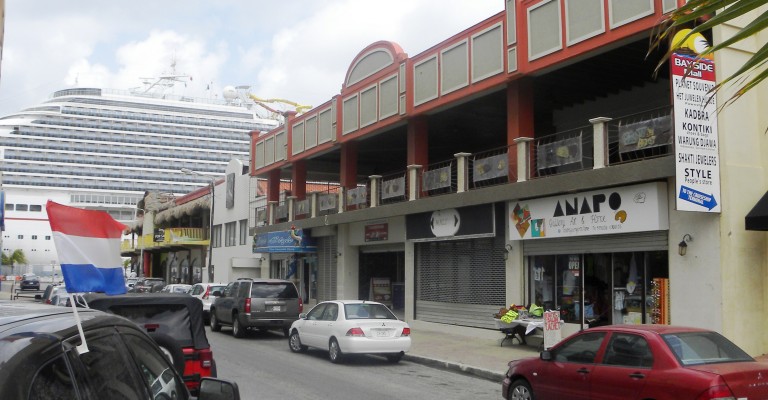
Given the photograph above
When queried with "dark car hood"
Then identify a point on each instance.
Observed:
(748, 379)
(194, 307)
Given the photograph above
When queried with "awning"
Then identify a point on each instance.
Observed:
(757, 218)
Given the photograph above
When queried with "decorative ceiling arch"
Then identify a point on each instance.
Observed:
(372, 59)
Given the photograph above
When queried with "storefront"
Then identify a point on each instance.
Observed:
(459, 264)
(598, 257)
(292, 255)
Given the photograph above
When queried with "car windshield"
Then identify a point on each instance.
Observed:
(697, 348)
(278, 290)
(368, 311)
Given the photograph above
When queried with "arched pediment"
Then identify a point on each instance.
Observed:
(373, 59)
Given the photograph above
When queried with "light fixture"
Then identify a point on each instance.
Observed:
(682, 247)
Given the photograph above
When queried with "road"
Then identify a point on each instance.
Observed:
(265, 368)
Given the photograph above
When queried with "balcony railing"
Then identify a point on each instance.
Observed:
(604, 143)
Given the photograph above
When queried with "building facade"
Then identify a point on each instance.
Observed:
(535, 157)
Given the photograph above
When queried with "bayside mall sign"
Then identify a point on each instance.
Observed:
(625, 209)
(696, 142)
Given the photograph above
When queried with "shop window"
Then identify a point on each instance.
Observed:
(604, 288)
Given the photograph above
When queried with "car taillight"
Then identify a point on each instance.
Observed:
(355, 332)
(718, 392)
(206, 358)
(301, 305)
(248, 305)
(207, 292)
(406, 332)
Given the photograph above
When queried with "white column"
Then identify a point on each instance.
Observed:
(375, 182)
(462, 172)
(600, 141)
(523, 158)
(413, 182)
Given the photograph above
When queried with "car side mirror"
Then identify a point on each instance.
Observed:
(545, 355)
(218, 389)
(303, 316)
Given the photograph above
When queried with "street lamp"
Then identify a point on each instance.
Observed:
(140, 272)
(211, 184)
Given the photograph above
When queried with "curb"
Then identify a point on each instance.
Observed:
(455, 367)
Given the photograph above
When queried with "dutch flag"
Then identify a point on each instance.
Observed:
(88, 243)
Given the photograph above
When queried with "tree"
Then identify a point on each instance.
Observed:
(704, 15)
(17, 257)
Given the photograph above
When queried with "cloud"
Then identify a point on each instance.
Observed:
(296, 51)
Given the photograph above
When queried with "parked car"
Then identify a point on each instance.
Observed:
(129, 282)
(148, 285)
(639, 362)
(50, 291)
(176, 288)
(351, 327)
(29, 282)
(39, 358)
(256, 303)
(174, 321)
(204, 292)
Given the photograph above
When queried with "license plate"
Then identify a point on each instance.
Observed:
(382, 332)
(275, 308)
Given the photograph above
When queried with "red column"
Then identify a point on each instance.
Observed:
(418, 141)
(519, 117)
(273, 185)
(299, 179)
(348, 172)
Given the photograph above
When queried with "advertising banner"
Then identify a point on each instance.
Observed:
(696, 142)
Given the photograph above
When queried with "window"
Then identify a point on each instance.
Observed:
(36, 208)
(628, 351)
(581, 349)
(108, 369)
(47, 237)
(34, 237)
(216, 236)
(53, 381)
(230, 234)
(243, 231)
(22, 207)
(9, 207)
(156, 369)
(20, 237)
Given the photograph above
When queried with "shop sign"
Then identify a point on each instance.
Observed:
(697, 163)
(159, 235)
(637, 208)
(377, 232)
(451, 223)
(291, 241)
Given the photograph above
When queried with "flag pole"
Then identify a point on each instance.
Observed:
(83, 348)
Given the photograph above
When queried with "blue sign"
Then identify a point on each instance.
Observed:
(694, 196)
(292, 241)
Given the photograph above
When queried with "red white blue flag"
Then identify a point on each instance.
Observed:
(88, 243)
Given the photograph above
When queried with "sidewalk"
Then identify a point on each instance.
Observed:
(466, 350)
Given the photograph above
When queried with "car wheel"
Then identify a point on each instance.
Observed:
(520, 390)
(394, 358)
(294, 342)
(334, 351)
(215, 327)
(171, 349)
(238, 330)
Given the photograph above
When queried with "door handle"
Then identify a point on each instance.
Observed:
(637, 375)
(582, 371)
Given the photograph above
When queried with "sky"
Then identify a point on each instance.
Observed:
(297, 50)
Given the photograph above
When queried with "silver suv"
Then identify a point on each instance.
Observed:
(256, 303)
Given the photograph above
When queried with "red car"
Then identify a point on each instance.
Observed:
(639, 362)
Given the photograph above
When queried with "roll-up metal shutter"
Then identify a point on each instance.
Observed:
(642, 241)
(326, 268)
(460, 282)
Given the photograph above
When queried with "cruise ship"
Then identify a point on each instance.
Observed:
(103, 149)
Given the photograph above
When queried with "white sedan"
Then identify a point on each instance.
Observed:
(351, 327)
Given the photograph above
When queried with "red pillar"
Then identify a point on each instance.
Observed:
(418, 141)
(299, 179)
(519, 117)
(348, 172)
(273, 185)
